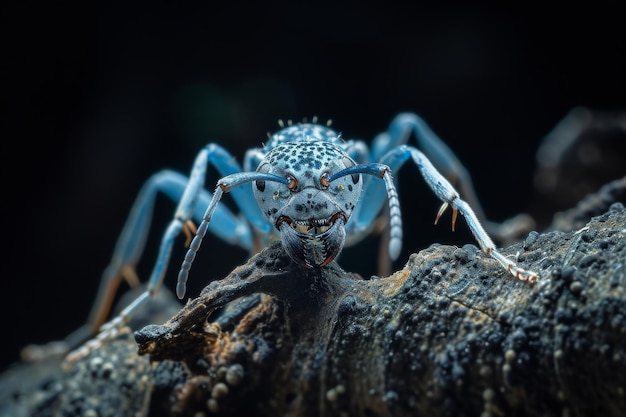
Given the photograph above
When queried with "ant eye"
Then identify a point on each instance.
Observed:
(293, 183)
(356, 178)
(324, 180)
(260, 185)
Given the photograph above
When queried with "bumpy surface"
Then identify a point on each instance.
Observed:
(450, 334)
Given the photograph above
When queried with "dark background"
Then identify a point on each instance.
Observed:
(97, 98)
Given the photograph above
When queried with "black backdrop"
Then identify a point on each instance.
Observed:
(98, 97)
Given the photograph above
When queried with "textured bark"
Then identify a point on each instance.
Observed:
(451, 334)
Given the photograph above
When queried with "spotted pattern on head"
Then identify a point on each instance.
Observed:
(308, 211)
(311, 156)
(308, 201)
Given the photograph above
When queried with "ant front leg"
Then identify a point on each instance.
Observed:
(450, 197)
(446, 162)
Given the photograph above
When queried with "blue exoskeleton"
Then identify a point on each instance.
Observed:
(307, 186)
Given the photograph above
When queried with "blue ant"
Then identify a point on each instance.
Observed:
(306, 185)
